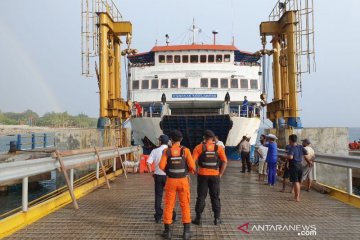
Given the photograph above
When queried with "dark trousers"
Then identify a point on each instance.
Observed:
(205, 184)
(160, 181)
(245, 159)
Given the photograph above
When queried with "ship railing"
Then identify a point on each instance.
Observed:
(32, 141)
(246, 111)
(70, 160)
(343, 161)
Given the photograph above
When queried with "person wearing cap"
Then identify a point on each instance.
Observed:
(295, 155)
(177, 163)
(158, 175)
(271, 158)
(308, 163)
(212, 163)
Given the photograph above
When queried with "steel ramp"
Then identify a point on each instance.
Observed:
(126, 212)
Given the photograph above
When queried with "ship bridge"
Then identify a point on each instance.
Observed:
(250, 209)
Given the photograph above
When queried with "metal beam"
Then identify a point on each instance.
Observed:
(20, 169)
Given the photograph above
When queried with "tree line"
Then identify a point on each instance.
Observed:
(50, 119)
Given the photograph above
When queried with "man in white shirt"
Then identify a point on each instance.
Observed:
(218, 142)
(308, 164)
(159, 176)
(262, 151)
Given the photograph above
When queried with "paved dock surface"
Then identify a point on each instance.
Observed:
(126, 212)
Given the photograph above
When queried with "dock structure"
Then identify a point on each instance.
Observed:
(250, 210)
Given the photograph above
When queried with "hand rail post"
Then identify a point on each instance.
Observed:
(72, 178)
(18, 142)
(33, 141)
(45, 140)
(350, 188)
(114, 165)
(25, 193)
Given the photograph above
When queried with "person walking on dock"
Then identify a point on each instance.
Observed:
(308, 164)
(212, 163)
(271, 158)
(244, 150)
(177, 162)
(295, 156)
(159, 176)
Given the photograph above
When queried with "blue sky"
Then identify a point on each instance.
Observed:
(40, 65)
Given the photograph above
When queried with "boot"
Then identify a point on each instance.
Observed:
(187, 232)
(167, 232)
(197, 220)
(217, 221)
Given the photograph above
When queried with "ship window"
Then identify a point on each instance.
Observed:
(227, 58)
(194, 58)
(244, 84)
(234, 83)
(174, 83)
(203, 58)
(224, 83)
(154, 84)
(184, 83)
(177, 59)
(204, 83)
(161, 58)
(164, 83)
(211, 58)
(185, 58)
(214, 83)
(254, 84)
(219, 58)
(135, 84)
(169, 58)
(145, 84)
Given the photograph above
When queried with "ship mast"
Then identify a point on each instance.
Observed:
(194, 29)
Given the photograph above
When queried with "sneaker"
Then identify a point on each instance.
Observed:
(217, 221)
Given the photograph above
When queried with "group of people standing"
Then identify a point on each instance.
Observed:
(173, 164)
(298, 162)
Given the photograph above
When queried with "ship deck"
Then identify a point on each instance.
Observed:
(126, 212)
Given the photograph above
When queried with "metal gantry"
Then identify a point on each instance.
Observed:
(291, 26)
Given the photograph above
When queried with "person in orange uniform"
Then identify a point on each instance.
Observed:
(212, 163)
(177, 162)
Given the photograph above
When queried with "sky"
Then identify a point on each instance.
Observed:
(40, 61)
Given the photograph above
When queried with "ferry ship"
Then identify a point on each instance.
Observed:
(194, 87)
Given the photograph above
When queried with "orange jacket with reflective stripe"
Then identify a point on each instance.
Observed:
(210, 146)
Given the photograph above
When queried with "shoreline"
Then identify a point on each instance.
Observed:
(11, 130)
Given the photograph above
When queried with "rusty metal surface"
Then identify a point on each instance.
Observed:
(126, 212)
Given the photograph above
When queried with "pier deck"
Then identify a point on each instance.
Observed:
(126, 212)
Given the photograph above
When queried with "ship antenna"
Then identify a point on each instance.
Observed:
(194, 29)
(167, 39)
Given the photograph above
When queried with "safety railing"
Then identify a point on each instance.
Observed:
(348, 162)
(246, 111)
(33, 141)
(67, 160)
